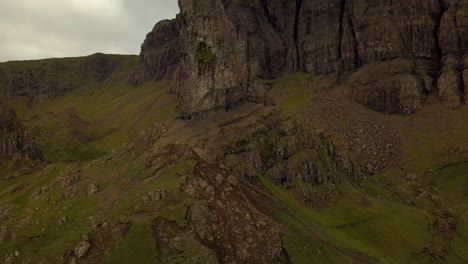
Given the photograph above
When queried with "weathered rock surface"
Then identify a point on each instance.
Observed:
(16, 142)
(294, 156)
(82, 248)
(225, 46)
(54, 77)
(159, 54)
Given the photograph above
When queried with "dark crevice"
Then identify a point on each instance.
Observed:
(268, 62)
(439, 53)
(296, 34)
(357, 60)
(268, 16)
(463, 97)
(455, 22)
(341, 29)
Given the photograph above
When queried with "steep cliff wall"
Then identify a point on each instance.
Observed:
(411, 49)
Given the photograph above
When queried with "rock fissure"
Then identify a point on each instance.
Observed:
(357, 60)
(439, 53)
(340, 31)
(298, 65)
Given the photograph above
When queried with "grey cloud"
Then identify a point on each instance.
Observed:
(34, 29)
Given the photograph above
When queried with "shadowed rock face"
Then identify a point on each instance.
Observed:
(159, 53)
(16, 142)
(224, 47)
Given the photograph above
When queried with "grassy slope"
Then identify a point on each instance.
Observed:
(370, 220)
(111, 114)
(453, 183)
(374, 220)
(75, 130)
(123, 181)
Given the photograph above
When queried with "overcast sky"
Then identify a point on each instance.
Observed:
(35, 29)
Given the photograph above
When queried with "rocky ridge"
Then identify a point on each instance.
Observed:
(55, 77)
(390, 56)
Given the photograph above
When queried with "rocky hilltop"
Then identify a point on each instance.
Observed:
(389, 56)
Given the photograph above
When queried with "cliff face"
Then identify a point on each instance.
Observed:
(159, 54)
(54, 77)
(397, 53)
(16, 142)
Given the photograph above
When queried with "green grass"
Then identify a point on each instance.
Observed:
(428, 141)
(205, 57)
(107, 116)
(293, 92)
(452, 181)
(379, 229)
(138, 246)
(116, 201)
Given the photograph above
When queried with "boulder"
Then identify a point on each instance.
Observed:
(81, 248)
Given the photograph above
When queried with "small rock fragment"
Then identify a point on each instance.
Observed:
(81, 248)
(233, 180)
(92, 189)
(219, 179)
(411, 176)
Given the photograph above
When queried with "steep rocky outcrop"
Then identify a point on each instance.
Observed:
(453, 44)
(159, 54)
(293, 155)
(54, 77)
(226, 47)
(16, 142)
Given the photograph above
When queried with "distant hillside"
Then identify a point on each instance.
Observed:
(53, 77)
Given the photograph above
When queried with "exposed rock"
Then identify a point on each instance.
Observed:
(16, 142)
(174, 241)
(202, 217)
(63, 220)
(10, 260)
(5, 211)
(293, 156)
(225, 47)
(68, 179)
(82, 248)
(92, 189)
(5, 234)
(411, 176)
(159, 54)
(462, 149)
(233, 180)
(449, 84)
(452, 37)
(388, 87)
(201, 214)
(219, 179)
